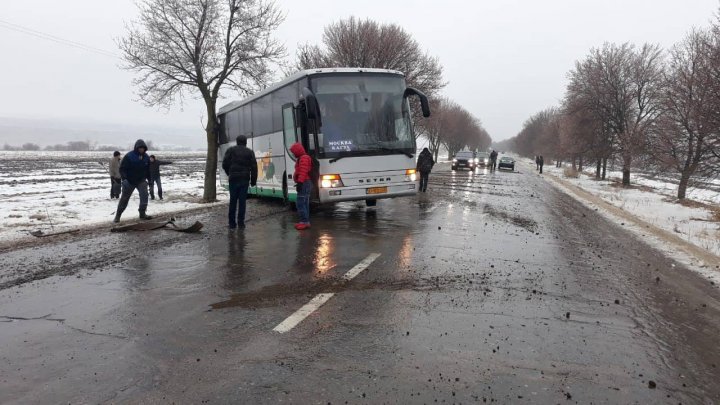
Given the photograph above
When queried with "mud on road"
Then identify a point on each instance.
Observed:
(492, 287)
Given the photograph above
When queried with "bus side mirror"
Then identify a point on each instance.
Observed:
(424, 105)
(312, 108)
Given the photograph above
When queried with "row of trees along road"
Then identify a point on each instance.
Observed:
(369, 44)
(639, 106)
(205, 47)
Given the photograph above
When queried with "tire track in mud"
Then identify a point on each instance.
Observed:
(476, 185)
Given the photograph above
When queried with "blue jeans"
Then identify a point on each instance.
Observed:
(303, 202)
(238, 197)
(127, 191)
(159, 187)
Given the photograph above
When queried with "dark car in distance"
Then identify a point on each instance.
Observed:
(506, 162)
(464, 160)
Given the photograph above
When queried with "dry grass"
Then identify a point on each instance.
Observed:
(571, 173)
(715, 214)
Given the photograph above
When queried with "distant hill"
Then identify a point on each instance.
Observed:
(45, 132)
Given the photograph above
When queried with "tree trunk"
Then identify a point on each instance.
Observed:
(211, 161)
(580, 164)
(684, 180)
(598, 168)
(574, 163)
(627, 160)
(604, 168)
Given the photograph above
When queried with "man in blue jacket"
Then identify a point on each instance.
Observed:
(135, 173)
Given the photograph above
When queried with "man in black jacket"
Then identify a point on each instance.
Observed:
(135, 173)
(240, 166)
(155, 176)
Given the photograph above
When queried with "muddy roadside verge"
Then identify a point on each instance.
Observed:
(705, 262)
(95, 247)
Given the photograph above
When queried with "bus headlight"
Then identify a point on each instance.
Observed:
(331, 181)
(411, 174)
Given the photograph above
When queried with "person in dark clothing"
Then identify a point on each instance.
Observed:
(303, 184)
(541, 163)
(240, 165)
(155, 176)
(135, 173)
(493, 160)
(537, 162)
(115, 179)
(425, 164)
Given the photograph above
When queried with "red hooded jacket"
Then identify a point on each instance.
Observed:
(303, 164)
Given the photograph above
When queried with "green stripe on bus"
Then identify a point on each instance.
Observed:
(271, 192)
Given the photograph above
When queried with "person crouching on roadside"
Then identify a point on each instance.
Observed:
(303, 185)
(115, 178)
(135, 173)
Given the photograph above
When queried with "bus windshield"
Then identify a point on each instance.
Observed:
(363, 115)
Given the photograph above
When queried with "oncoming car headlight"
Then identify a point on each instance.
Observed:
(331, 181)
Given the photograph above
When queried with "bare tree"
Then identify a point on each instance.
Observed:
(30, 146)
(621, 85)
(435, 126)
(202, 47)
(369, 44)
(682, 140)
(462, 130)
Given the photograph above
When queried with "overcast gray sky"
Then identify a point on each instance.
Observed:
(504, 60)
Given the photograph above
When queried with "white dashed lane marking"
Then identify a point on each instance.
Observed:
(293, 320)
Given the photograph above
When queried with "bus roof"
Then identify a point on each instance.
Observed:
(299, 75)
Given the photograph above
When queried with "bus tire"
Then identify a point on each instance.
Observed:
(371, 203)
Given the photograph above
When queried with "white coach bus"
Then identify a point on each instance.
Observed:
(354, 123)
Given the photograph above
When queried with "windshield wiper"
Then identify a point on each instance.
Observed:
(398, 151)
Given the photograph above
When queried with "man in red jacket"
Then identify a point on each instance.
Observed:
(303, 185)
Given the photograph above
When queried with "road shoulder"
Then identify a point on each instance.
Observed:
(694, 257)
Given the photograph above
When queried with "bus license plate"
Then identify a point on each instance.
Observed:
(377, 190)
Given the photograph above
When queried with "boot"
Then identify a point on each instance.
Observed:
(144, 216)
(117, 218)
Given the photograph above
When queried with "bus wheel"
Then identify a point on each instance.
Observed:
(371, 203)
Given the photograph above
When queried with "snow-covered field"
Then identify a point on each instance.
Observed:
(68, 190)
(654, 202)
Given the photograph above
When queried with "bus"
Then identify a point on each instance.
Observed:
(355, 124)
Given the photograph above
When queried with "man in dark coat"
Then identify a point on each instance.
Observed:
(241, 168)
(425, 164)
(155, 176)
(135, 173)
(541, 163)
(115, 178)
(493, 160)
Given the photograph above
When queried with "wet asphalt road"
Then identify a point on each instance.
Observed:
(493, 287)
